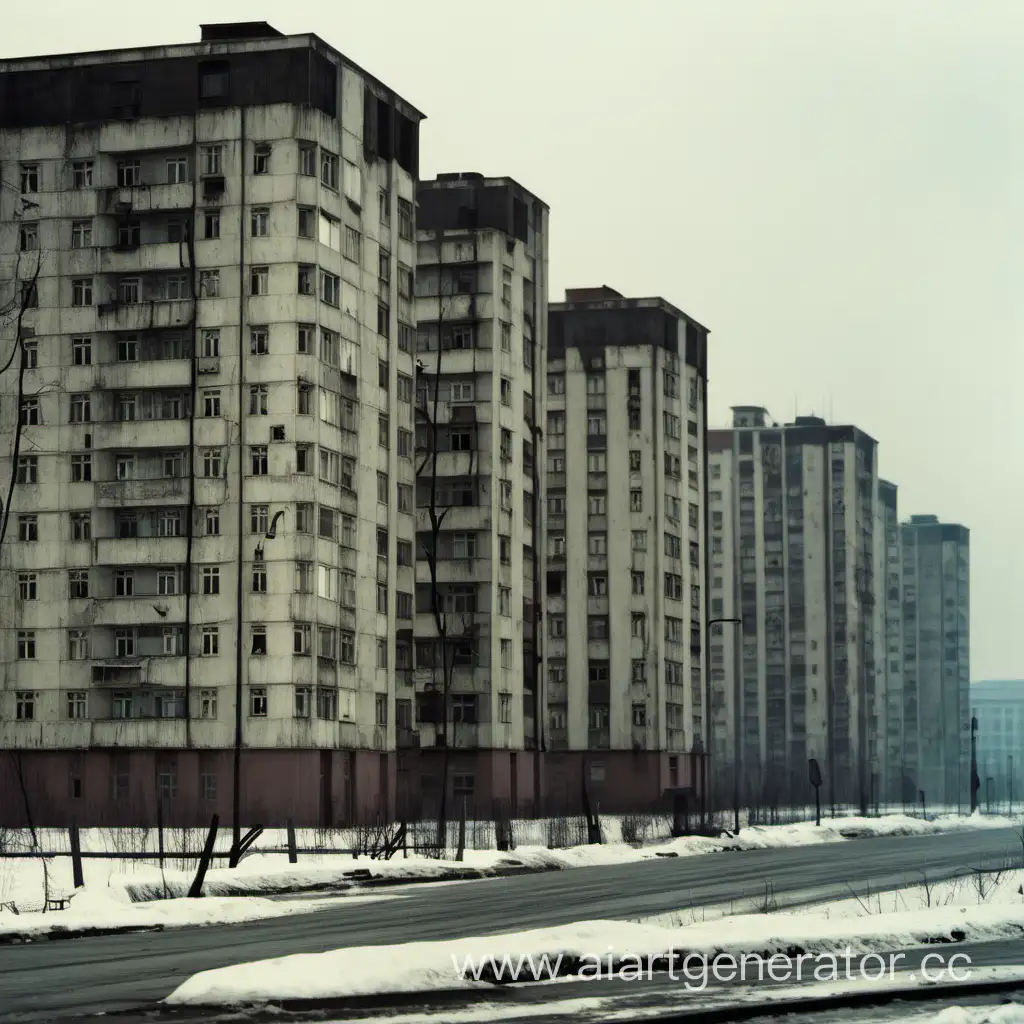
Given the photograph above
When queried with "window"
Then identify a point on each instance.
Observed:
(211, 579)
(259, 280)
(211, 403)
(81, 468)
(28, 469)
(303, 458)
(259, 400)
(257, 702)
(259, 460)
(212, 463)
(597, 425)
(26, 645)
(506, 337)
(259, 222)
(330, 288)
(506, 391)
(405, 220)
(307, 159)
(25, 706)
(81, 526)
(556, 627)
(383, 489)
(29, 415)
(673, 586)
(403, 605)
(28, 236)
(597, 504)
(29, 354)
(29, 178)
(29, 294)
(207, 703)
(329, 169)
(211, 226)
(353, 245)
(210, 641)
(506, 286)
(81, 174)
(637, 583)
(177, 170)
(81, 291)
(639, 540)
(383, 320)
(76, 706)
(27, 586)
(129, 173)
(384, 431)
(261, 158)
(595, 383)
(405, 498)
(78, 584)
(28, 529)
(307, 218)
(384, 207)
(212, 522)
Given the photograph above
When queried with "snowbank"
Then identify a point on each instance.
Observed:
(110, 909)
(434, 966)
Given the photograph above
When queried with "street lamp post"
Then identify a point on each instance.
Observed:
(707, 726)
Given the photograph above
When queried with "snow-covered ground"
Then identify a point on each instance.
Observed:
(601, 946)
(268, 873)
(101, 909)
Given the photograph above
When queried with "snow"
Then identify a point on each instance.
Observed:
(109, 908)
(434, 966)
(264, 873)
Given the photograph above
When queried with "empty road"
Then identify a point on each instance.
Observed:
(51, 980)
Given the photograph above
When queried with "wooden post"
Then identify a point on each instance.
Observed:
(76, 856)
(293, 852)
(461, 852)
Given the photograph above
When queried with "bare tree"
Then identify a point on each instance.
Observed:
(450, 630)
(14, 311)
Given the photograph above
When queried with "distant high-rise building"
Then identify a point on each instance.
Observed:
(793, 557)
(209, 540)
(481, 351)
(624, 587)
(936, 662)
(888, 705)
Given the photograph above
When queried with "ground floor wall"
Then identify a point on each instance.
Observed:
(329, 788)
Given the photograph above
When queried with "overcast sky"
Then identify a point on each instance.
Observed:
(835, 189)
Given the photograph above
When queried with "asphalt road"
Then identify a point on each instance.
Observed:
(53, 980)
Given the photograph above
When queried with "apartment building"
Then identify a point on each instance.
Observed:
(625, 574)
(998, 705)
(210, 537)
(793, 559)
(481, 351)
(936, 660)
(889, 643)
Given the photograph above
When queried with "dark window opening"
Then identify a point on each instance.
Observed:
(127, 99)
(214, 80)
(385, 136)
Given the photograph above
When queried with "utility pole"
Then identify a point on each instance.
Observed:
(975, 781)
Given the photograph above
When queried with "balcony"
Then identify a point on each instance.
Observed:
(151, 373)
(458, 518)
(141, 434)
(139, 611)
(140, 550)
(147, 198)
(118, 493)
(123, 258)
(115, 673)
(143, 316)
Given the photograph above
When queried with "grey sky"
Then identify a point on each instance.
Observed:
(835, 189)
